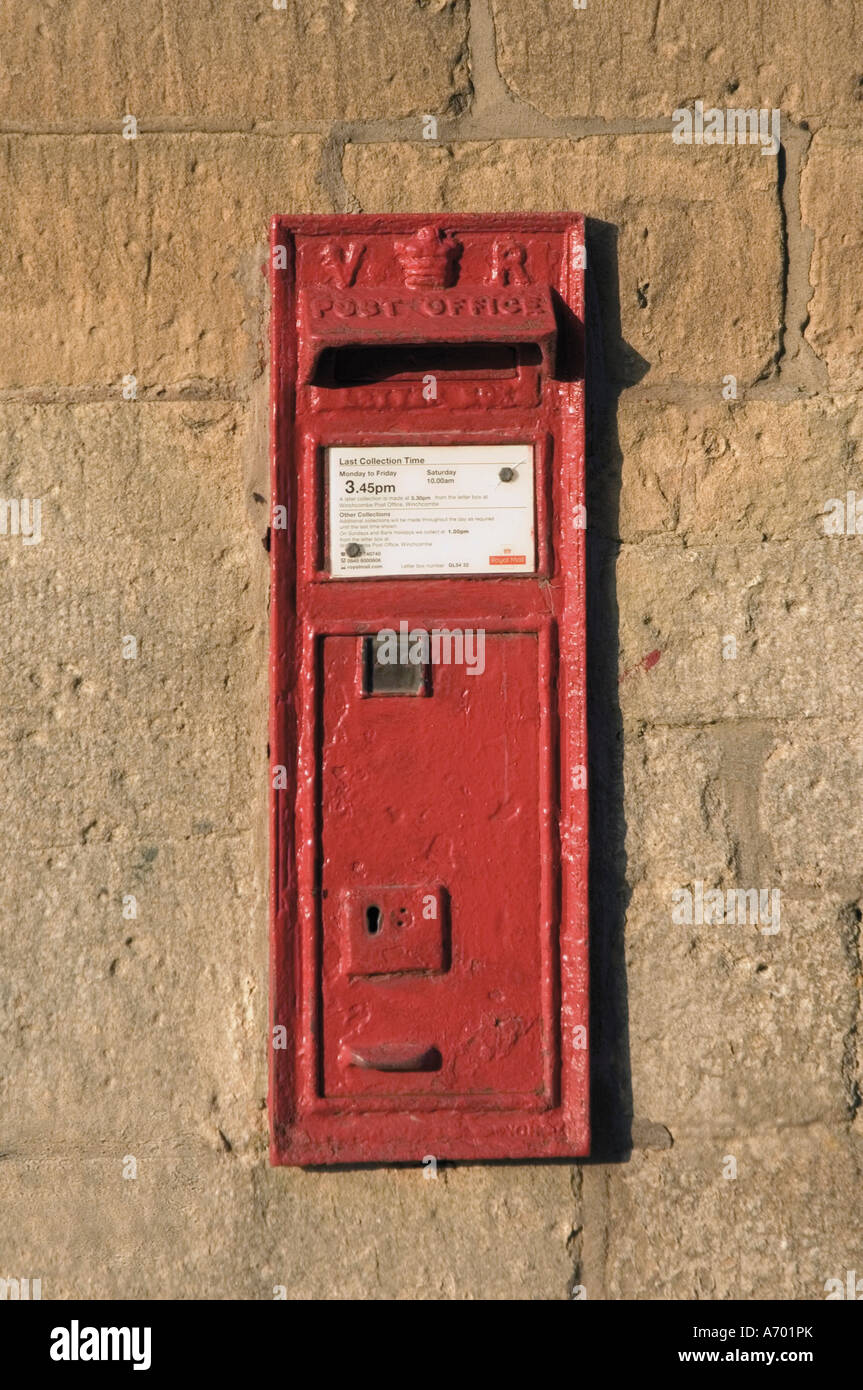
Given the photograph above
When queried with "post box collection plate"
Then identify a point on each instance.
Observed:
(425, 511)
(428, 817)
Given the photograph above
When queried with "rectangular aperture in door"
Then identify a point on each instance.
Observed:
(433, 908)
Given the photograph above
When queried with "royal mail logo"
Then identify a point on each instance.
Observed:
(507, 559)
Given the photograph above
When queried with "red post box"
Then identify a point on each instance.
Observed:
(428, 735)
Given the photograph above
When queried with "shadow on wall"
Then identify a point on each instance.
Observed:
(611, 365)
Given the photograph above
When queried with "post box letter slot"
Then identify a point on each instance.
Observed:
(339, 368)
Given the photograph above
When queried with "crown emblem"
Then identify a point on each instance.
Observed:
(429, 259)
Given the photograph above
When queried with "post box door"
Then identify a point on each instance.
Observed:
(431, 884)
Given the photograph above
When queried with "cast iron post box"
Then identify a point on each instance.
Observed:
(428, 735)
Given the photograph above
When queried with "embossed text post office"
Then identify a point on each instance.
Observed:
(428, 733)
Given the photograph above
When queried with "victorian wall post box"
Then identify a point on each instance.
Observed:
(427, 736)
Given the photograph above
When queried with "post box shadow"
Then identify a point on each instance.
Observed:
(611, 365)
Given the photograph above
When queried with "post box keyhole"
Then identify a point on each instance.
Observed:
(373, 920)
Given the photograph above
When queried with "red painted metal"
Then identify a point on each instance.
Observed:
(429, 850)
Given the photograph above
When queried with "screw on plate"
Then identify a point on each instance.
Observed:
(506, 475)
(353, 549)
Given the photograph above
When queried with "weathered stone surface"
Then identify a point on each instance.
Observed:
(810, 802)
(677, 1228)
(734, 1027)
(793, 609)
(142, 257)
(197, 1224)
(316, 60)
(835, 328)
(679, 770)
(122, 1033)
(723, 473)
(142, 777)
(146, 532)
(655, 266)
(622, 61)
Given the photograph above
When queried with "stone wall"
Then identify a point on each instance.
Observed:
(133, 365)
